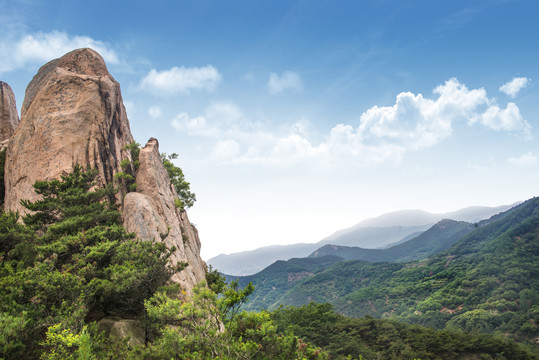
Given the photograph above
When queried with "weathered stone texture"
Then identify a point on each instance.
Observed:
(9, 117)
(72, 114)
(152, 215)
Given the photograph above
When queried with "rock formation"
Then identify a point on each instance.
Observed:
(151, 214)
(9, 118)
(73, 114)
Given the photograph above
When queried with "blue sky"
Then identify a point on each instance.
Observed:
(294, 119)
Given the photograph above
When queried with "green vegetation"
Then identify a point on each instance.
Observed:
(70, 263)
(369, 338)
(487, 282)
(68, 260)
(177, 178)
(134, 150)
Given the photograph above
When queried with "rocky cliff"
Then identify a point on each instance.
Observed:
(9, 118)
(73, 113)
(151, 214)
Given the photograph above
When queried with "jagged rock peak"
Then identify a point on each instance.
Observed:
(73, 113)
(151, 213)
(9, 117)
(80, 62)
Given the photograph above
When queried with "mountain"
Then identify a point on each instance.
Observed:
(488, 282)
(73, 113)
(375, 233)
(437, 238)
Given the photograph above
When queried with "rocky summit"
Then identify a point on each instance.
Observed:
(73, 113)
(9, 118)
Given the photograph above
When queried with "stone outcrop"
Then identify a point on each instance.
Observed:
(152, 215)
(9, 118)
(118, 328)
(72, 114)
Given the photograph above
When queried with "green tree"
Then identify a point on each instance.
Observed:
(72, 257)
(177, 178)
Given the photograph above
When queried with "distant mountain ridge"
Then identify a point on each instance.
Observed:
(375, 233)
(437, 238)
(487, 281)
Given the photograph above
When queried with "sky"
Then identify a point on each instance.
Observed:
(295, 119)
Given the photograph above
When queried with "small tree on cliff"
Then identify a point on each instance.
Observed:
(177, 178)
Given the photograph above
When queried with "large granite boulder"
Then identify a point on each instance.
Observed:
(72, 114)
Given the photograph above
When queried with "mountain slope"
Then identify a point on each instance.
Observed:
(375, 233)
(486, 282)
(439, 237)
(281, 276)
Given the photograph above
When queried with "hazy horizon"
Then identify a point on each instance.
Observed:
(297, 119)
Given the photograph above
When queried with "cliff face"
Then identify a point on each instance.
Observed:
(73, 114)
(151, 214)
(9, 118)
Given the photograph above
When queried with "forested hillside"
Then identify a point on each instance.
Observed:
(486, 282)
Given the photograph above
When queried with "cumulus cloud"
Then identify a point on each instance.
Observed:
(526, 160)
(289, 80)
(384, 133)
(41, 47)
(508, 119)
(182, 79)
(513, 87)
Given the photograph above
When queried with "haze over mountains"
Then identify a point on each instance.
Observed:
(485, 281)
(375, 233)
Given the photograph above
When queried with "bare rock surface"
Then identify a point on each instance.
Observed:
(9, 117)
(116, 327)
(72, 114)
(151, 214)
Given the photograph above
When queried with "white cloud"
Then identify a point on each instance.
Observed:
(385, 133)
(155, 112)
(526, 160)
(182, 79)
(513, 87)
(508, 119)
(289, 80)
(414, 121)
(41, 47)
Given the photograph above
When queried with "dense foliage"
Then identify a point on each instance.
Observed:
(487, 282)
(69, 260)
(387, 339)
(70, 263)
